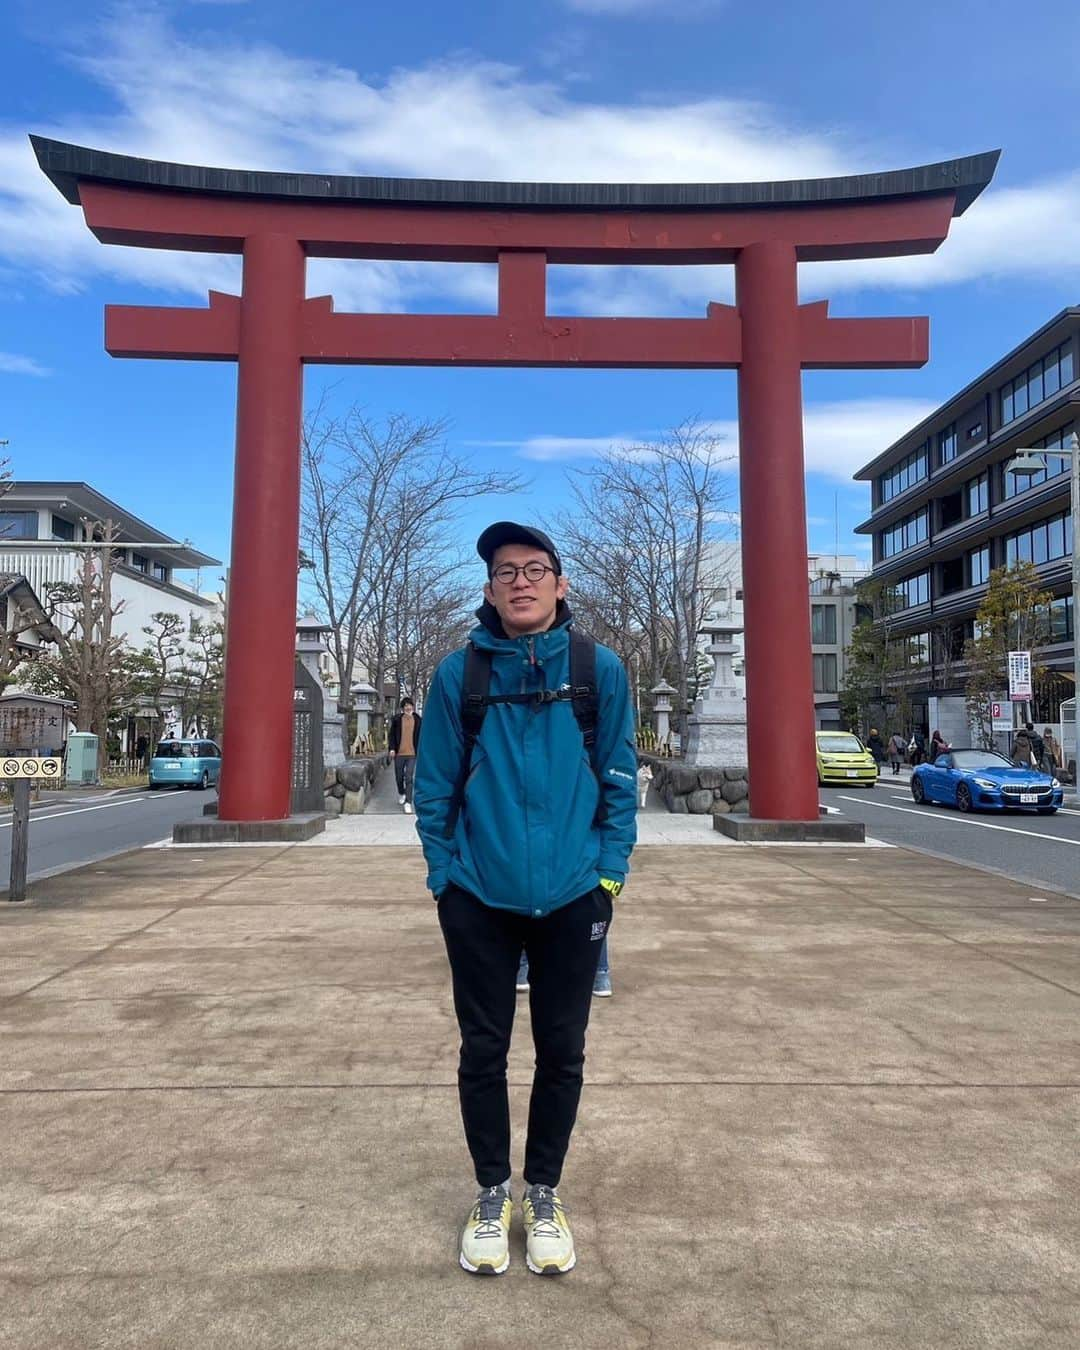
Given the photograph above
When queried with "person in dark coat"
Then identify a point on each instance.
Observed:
(403, 743)
(876, 745)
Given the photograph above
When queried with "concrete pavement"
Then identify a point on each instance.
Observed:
(833, 1103)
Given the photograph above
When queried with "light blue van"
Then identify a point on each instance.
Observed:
(185, 763)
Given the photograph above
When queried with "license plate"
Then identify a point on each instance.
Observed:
(852, 773)
(172, 764)
(1029, 797)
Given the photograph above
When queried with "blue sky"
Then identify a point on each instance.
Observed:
(665, 90)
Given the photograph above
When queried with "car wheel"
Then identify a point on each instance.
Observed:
(154, 787)
(918, 791)
(963, 798)
(204, 781)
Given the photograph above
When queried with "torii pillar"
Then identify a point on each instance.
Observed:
(276, 221)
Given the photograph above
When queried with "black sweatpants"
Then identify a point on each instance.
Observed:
(484, 946)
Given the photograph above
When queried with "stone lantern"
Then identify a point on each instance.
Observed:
(717, 728)
(363, 700)
(311, 647)
(662, 694)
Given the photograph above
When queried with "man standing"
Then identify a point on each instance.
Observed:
(403, 743)
(527, 835)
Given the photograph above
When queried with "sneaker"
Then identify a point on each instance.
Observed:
(601, 986)
(549, 1244)
(522, 985)
(401, 799)
(408, 808)
(485, 1242)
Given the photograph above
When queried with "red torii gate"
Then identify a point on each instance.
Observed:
(277, 221)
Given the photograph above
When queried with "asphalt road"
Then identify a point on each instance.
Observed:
(1042, 850)
(71, 833)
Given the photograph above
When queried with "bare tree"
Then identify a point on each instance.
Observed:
(637, 540)
(379, 501)
(92, 666)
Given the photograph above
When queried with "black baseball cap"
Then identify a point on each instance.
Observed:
(509, 532)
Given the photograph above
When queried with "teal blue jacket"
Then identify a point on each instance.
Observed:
(528, 838)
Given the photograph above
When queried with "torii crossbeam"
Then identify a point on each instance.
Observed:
(276, 221)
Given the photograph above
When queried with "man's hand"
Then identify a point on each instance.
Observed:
(392, 753)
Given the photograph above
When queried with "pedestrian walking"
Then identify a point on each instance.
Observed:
(917, 747)
(897, 750)
(1052, 757)
(876, 746)
(1021, 750)
(403, 743)
(526, 806)
(1037, 747)
(938, 744)
(601, 982)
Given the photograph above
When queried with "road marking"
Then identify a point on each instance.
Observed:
(965, 820)
(58, 815)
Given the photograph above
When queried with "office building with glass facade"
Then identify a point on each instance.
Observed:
(946, 511)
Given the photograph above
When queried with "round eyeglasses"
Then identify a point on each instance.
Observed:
(507, 573)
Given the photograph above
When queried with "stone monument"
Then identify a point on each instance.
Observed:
(310, 647)
(717, 726)
(662, 693)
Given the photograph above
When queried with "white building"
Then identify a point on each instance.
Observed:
(42, 524)
(831, 582)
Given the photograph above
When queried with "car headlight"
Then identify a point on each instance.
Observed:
(1054, 783)
(987, 784)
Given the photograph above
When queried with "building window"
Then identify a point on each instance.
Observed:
(1040, 543)
(974, 432)
(978, 495)
(904, 534)
(1012, 485)
(946, 444)
(140, 562)
(63, 529)
(825, 673)
(823, 624)
(912, 591)
(1062, 619)
(18, 525)
(1041, 380)
(917, 649)
(161, 572)
(911, 470)
(978, 565)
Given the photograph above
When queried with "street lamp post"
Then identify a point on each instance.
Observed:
(1027, 463)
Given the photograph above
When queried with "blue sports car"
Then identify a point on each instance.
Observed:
(983, 780)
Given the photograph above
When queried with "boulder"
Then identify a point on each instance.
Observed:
(710, 778)
(354, 803)
(353, 774)
(698, 803)
(679, 806)
(719, 808)
(329, 777)
(741, 808)
(338, 791)
(332, 806)
(735, 791)
(668, 797)
(683, 778)
(733, 775)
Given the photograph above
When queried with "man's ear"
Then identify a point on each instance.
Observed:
(562, 585)
(489, 594)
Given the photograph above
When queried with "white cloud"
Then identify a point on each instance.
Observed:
(12, 364)
(460, 118)
(839, 437)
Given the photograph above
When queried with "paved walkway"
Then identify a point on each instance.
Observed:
(834, 1103)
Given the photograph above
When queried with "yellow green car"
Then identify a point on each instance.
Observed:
(842, 758)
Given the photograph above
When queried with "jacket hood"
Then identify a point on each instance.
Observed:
(491, 626)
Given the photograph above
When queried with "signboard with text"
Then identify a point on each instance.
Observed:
(1019, 677)
(1001, 718)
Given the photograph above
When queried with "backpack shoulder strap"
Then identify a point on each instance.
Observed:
(583, 691)
(475, 684)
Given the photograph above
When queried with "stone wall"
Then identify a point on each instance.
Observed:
(348, 787)
(698, 789)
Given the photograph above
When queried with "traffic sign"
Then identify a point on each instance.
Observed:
(1001, 717)
(27, 766)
